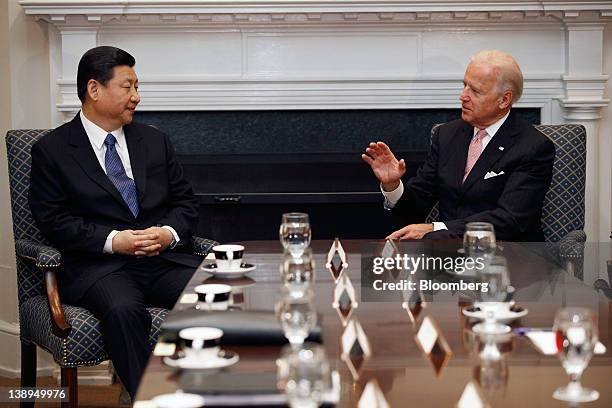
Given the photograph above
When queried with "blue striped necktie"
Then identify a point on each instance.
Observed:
(116, 173)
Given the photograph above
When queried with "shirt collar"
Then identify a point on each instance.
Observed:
(492, 129)
(97, 135)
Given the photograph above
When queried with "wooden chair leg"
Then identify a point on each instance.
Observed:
(69, 379)
(28, 369)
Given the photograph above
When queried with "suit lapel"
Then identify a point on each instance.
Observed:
(492, 153)
(85, 157)
(138, 159)
(460, 146)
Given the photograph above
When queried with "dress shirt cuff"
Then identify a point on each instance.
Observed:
(392, 197)
(108, 245)
(174, 234)
(439, 226)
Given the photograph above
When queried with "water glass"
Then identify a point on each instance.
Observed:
(479, 240)
(297, 316)
(297, 273)
(495, 276)
(295, 233)
(576, 336)
(307, 376)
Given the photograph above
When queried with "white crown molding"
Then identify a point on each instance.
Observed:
(308, 11)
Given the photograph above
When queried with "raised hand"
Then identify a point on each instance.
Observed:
(387, 169)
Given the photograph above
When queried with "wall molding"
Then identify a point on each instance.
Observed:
(245, 10)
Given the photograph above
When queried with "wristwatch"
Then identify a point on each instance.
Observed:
(173, 242)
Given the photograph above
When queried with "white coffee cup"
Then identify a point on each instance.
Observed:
(201, 342)
(213, 296)
(228, 257)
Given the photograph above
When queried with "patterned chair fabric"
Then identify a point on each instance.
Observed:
(83, 345)
(563, 209)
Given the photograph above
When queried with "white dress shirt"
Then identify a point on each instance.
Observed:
(96, 136)
(392, 197)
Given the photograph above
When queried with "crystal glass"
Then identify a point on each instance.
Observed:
(492, 376)
(576, 336)
(307, 375)
(295, 233)
(297, 273)
(297, 316)
(495, 276)
(479, 240)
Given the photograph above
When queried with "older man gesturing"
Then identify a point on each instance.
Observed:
(489, 166)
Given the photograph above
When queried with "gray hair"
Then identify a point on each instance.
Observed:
(509, 75)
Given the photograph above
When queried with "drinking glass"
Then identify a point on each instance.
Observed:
(307, 376)
(297, 273)
(297, 316)
(295, 233)
(479, 240)
(495, 276)
(576, 336)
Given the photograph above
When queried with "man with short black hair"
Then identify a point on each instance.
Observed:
(111, 196)
(489, 166)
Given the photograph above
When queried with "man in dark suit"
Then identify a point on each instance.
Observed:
(111, 196)
(489, 166)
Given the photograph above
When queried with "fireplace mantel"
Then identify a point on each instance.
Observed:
(341, 54)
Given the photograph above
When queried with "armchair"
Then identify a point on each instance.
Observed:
(71, 334)
(563, 209)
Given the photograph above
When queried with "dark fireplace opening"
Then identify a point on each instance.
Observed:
(249, 167)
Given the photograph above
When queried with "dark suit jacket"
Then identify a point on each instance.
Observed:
(76, 206)
(512, 202)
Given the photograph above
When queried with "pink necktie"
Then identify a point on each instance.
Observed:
(474, 152)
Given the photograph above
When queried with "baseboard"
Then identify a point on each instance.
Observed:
(10, 360)
(9, 372)
(9, 328)
(100, 374)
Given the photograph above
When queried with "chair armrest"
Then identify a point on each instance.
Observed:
(48, 259)
(60, 326)
(202, 246)
(44, 256)
(571, 253)
(571, 246)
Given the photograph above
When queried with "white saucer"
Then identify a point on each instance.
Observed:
(179, 400)
(224, 359)
(502, 316)
(228, 273)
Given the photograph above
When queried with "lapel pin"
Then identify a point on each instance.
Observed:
(501, 148)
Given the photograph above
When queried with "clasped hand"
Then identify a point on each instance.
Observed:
(147, 242)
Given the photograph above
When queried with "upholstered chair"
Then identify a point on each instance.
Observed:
(70, 334)
(563, 209)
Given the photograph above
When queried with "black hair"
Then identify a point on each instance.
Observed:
(98, 64)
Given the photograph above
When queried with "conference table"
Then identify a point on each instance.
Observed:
(397, 365)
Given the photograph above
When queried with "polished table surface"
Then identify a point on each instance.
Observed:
(406, 375)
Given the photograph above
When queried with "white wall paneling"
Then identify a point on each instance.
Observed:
(300, 54)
